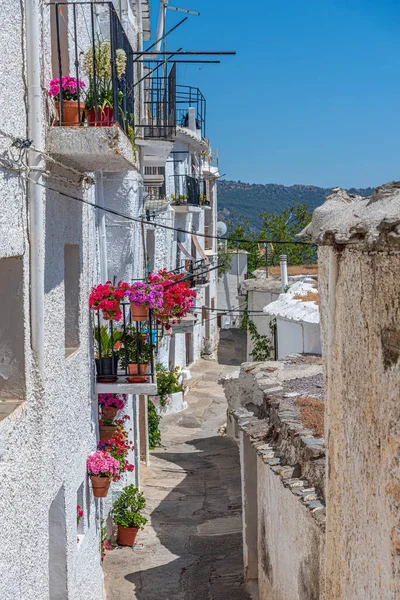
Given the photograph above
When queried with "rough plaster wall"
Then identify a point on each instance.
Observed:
(165, 244)
(362, 420)
(290, 543)
(45, 442)
(228, 284)
(124, 239)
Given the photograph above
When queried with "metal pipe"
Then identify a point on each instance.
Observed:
(99, 190)
(35, 185)
(190, 53)
(284, 271)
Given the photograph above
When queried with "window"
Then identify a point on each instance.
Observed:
(12, 354)
(71, 297)
(58, 586)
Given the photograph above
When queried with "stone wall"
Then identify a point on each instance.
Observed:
(359, 267)
(283, 472)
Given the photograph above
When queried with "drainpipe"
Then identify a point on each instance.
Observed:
(33, 21)
(102, 228)
(139, 17)
(284, 272)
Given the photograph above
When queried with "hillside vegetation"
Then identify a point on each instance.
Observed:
(238, 200)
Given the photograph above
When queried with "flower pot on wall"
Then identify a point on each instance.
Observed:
(109, 315)
(126, 535)
(107, 369)
(71, 116)
(100, 485)
(109, 412)
(105, 117)
(107, 432)
(139, 313)
(135, 375)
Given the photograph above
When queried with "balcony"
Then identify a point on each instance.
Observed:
(125, 354)
(190, 194)
(92, 120)
(189, 97)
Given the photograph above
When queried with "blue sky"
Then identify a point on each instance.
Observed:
(313, 95)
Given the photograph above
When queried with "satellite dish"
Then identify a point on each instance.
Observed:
(221, 228)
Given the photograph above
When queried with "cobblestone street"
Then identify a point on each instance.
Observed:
(192, 547)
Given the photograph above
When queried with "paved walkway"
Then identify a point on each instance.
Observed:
(192, 547)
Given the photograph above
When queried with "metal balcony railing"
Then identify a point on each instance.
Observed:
(196, 269)
(159, 106)
(191, 97)
(125, 350)
(187, 191)
(90, 45)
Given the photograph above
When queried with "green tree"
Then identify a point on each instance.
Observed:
(280, 227)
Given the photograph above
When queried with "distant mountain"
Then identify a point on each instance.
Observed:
(238, 200)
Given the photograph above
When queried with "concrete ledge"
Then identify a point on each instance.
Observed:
(121, 386)
(92, 148)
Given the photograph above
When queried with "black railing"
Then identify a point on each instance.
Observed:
(159, 106)
(197, 269)
(103, 60)
(125, 349)
(187, 191)
(190, 97)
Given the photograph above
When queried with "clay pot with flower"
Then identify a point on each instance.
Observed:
(110, 404)
(126, 513)
(101, 468)
(66, 99)
(119, 447)
(107, 298)
(144, 296)
(178, 298)
(135, 355)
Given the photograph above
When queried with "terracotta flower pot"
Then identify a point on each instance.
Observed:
(135, 376)
(107, 432)
(126, 535)
(71, 116)
(100, 485)
(139, 313)
(109, 412)
(105, 117)
(109, 315)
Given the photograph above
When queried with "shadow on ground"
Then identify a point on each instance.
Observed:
(232, 347)
(200, 523)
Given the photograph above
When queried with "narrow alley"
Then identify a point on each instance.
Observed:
(191, 549)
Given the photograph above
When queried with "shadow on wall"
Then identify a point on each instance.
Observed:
(200, 523)
(232, 349)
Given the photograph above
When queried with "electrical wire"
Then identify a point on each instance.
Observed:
(141, 220)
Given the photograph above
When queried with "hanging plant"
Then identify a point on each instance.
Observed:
(178, 298)
(144, 296)
(107, 298)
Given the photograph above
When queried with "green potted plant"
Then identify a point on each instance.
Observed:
(135, 355)
(169, 397)
(103, 93)
(126, 513)
(106, 365)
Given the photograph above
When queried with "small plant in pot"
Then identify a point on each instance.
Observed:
(126, 514)
(135, 356)
(111, 404)
(67, 92)
(101, 468)
(106, 354)
(168, 383)
(142, 297)
(119, 447)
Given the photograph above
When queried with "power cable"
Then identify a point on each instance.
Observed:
(140, 220)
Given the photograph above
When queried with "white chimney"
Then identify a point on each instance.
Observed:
(284, 273)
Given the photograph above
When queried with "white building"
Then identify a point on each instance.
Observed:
(53, 248)
(297, 319)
